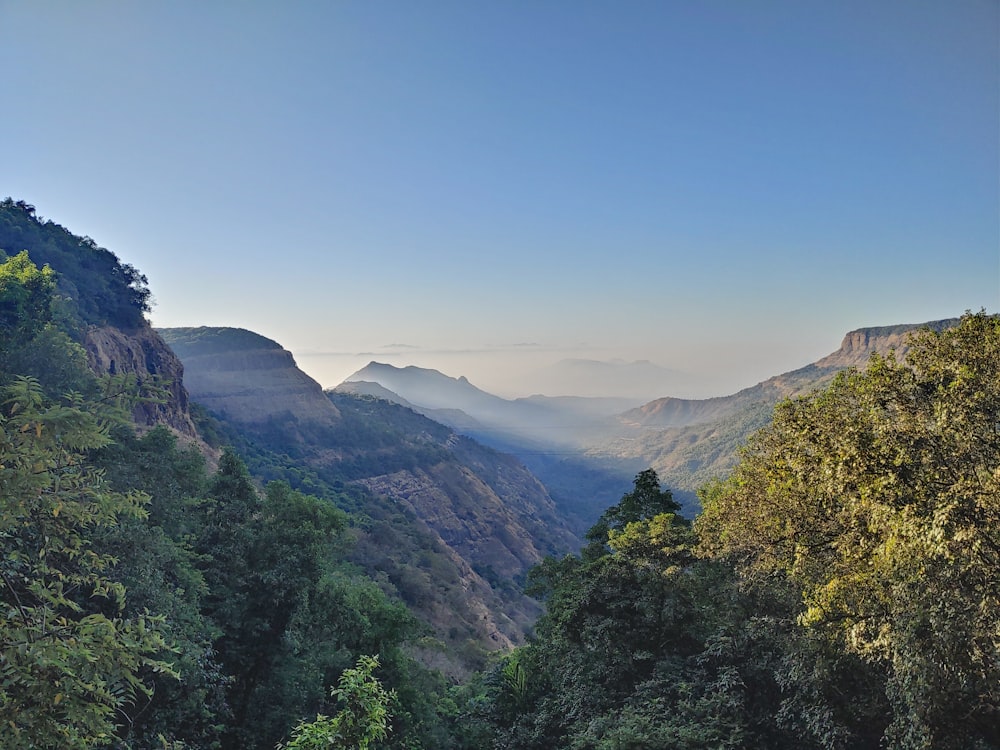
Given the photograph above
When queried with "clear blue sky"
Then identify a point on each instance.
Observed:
(723, 188)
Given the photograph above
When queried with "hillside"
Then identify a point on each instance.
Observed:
(586, 449)
(245, 377)
(548, 434)
(452, 524)
(690, 441)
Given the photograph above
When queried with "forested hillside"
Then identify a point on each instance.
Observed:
(149, 601)
(839, 589)
(158, 589)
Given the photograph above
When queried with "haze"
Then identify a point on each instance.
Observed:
(721, 188)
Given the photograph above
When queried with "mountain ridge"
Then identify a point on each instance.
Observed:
(687, 441)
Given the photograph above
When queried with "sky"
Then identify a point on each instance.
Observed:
(723, 188)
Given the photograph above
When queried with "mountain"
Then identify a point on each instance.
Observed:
(689, 441)
(245, 377)
(561, 421)
(548, 434)
(586, 449)
(448, 525)
(263, 596)
(101, 303)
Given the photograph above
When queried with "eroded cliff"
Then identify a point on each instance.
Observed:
(247, 378)
(141, 351)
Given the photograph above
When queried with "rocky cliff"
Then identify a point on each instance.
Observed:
(855, 350)
(247, 378)
(143, 352)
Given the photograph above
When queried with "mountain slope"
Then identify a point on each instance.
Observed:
(689, 441)
(547, 434)
(445, 524)
(245, 377)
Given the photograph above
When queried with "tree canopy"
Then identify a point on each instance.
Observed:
(97, 287)
(879, 500)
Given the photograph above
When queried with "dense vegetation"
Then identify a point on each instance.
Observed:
(839, 589)
(146, 600)
(94, 286)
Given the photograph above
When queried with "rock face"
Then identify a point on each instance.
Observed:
(859, 345)
(491, 511)
(247, 378)
(143, 352)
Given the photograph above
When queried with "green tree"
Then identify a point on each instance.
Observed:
(162, 574)
(878, 499)
(263, 560)
(97, 287)
(26, 294)
(646, 500)
(363, 720)
(70, 663)
(31, 343)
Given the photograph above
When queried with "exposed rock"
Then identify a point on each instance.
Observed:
(858, 346)
(143, 352)
(247, 378)
(855, 350)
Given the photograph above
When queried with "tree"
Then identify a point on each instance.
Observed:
(70, 662)
(879, 500)
(30, 342)
(98, 288)
(26, 294)
(364, 719)
(624, 620)
(644, 502)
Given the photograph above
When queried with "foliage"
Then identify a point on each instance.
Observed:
(364, 719)
(878, 499)
(162, 573)
(98, 288)
(70, 661)
(25, 299)
(645, 501)
(31, 343)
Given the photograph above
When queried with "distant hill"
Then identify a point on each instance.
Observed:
(690, 441)
(584, 449)
(543, 420)
(548, 434)
(243, 376)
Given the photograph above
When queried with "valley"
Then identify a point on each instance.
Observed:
(193, 523)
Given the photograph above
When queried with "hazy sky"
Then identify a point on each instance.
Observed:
(723, 188)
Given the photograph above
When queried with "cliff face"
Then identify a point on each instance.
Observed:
(858, 346)
(248, 378)
(144, 353)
